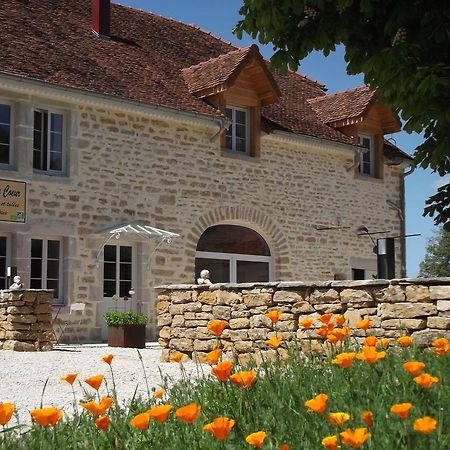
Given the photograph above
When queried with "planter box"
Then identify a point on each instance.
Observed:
(126, 336)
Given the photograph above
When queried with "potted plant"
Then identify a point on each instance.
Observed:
(126, 329)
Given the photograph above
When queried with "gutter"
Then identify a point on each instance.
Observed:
(34, 86)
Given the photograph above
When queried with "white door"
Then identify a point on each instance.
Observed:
(119, 276)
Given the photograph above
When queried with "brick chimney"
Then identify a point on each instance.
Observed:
(101, 17)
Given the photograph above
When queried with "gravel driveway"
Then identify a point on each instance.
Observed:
(23, 375)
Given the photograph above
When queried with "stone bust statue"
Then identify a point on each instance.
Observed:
(204, 277)
(17, 285)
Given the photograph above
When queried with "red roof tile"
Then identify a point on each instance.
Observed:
(52, 41)
(343, 105)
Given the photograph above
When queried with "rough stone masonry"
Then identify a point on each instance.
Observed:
(26, 320)
(417, 307)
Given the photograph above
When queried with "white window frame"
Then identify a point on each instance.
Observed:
(64, 115)
(371, 154)
(8, 254)
(233, 129)
(10, 165)
(134, 268)
(60, 300)
(233, 258)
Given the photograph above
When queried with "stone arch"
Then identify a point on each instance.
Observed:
(245, 216)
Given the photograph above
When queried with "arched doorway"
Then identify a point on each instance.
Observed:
(234, 254)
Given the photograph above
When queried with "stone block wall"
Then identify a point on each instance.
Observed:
(416, 307)
(26, 320)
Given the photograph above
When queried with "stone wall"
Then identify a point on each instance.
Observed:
(129, 164)
(26, 320)
(416, 307)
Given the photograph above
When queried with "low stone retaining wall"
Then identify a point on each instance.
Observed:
(417, 307)
(26, 320)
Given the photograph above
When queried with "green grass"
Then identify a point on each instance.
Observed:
(275, 404)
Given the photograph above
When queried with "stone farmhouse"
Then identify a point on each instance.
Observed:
(114, 116)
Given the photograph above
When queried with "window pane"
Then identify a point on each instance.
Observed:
(5, 114)
(55, 161)
(241, 117)
(219, 269)
(56, 142)
(3, 246)
(36, 248)
(56, 122)
(110, 253)
(53, 269)
(125, 287)
(240, 145)
(240, 131)
(109, 288)
(36, 268)
(109, 271)
(125, 271)
(53, 284)
(250, 271)
(4, 154)
(35, 283)
(233, 239)
(125, 254)
(53, 249)
(4, 134)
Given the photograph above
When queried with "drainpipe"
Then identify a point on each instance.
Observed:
(401, 214)
(221, 128)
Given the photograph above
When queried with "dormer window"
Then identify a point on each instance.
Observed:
(238, 133)
(366, 159)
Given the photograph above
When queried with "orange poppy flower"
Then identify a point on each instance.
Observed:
(325, 318)
(338, 418)
(371, 341)
(344, 359)
(284, 447)
(426, 380)
(108, 359)
(364, 324)
(160, 413)
(413, 367)
(441, 346)
(159, 393)
(367, 417)
(220, 427)
(223, 370)
(256, 439)
(102, 423)
(69, 378)
(306, 323)
(354, 438)
(385, 342)
(332, 338)
(97, 409)
(177, 357)
(141, 421)
(401, 410)
(94, 381)
(330, 442)
(213, 356)
(340, 320)
(425, 425)
(405, 341)
(325, 330)
(6, 412)
(188, 413)
(341, 333)
(243, 379)
(370, 355)
(273, 315)
(217, 326)
(274, 342)
(317, 404)
(47, 416)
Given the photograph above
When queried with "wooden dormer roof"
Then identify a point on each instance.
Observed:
(219, 74)
(351, 107)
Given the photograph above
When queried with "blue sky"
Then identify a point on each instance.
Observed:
(220, 16)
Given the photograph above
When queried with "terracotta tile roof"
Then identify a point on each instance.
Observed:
(349, 104)
(392, 152)
(51, 41)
